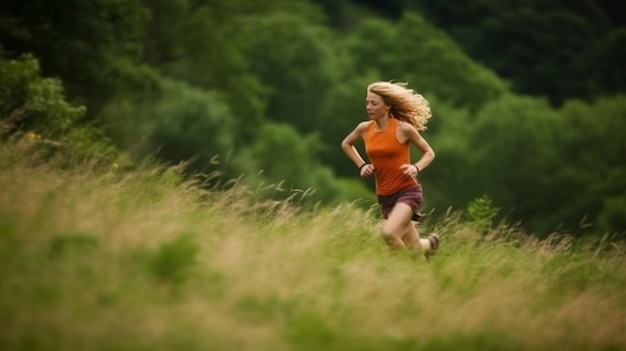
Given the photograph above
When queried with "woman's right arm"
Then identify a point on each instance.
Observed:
(348, 144)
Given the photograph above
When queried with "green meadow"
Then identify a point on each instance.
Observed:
(97, 258)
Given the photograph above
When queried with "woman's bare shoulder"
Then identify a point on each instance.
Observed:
(361, 127)
(406, 126)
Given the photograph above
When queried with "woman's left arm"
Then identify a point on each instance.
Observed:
(414, 137)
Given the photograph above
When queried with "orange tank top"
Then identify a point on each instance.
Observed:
(387, 155)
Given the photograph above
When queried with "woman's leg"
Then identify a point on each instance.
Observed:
(411, 239)
(395, 227)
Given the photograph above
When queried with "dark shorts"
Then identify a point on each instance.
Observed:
(412, 197)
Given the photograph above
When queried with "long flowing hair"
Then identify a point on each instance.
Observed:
(406, 104)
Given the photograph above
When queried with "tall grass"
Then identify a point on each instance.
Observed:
(97, 259)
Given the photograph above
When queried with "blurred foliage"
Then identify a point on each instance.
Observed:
(93, 46)
(177, 123)
(65, 243)
(551, 168)
(298, 69)
(338, 117)
(527, 98)
(436, 65)
(211, 44)
(30, 102)
(173, 261)
(34, 109)
(518, 41)
(297, 169)
(482, 212)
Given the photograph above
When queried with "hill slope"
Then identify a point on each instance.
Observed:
(104, 259)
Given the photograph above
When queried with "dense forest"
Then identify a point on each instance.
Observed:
(528, 99)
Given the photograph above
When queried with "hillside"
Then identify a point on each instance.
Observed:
(104, 259)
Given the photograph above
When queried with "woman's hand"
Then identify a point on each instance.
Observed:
(367, 170)
(410, 170)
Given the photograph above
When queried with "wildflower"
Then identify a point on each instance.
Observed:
(32, 136)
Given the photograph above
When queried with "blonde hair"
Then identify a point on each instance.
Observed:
(406, 104)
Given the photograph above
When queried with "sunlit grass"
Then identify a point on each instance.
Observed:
(97, 259)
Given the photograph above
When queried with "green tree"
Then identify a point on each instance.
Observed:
(603, 62)
(513, 155)
(550, 168)
(282, 155)
(427, 58)
(92, 46)
(448, 182)
(29, 102)
(207, 44)
(36, 107)
(592, 171)
(295, 61)
(177, 123)
(544, 48)
(200, 42)
(343, 110)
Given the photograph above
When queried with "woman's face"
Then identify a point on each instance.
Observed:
(375, 106)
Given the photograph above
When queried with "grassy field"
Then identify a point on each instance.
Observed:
(111, 260)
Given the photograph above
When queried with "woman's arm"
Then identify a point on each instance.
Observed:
(413, 136)
(348, 145)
